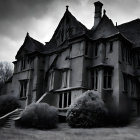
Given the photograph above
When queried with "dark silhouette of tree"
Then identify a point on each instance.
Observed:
(6, 71)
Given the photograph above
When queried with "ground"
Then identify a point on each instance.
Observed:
(64, 132)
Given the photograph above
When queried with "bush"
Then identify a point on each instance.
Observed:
(40, 116)
(7, 104)
(88, 110)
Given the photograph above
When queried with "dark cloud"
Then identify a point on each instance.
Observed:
(41, 17)
(18, 9)
(17, 16)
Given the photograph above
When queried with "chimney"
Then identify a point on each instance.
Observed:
(98, 12)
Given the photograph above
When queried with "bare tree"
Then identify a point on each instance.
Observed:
(6, 71)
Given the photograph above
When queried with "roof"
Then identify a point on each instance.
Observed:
(67, 28)
(104, 29)
(30, 45)
(131, 30)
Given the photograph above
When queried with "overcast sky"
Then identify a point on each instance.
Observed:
(41, 17)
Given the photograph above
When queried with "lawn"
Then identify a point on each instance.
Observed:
(64, 132)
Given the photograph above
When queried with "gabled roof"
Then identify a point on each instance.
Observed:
(30, 45)
(104, 29)
(131, 31)
(68, 27)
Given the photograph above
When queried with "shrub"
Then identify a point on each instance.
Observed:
(7, 104)
(40, 116)
(88, 110)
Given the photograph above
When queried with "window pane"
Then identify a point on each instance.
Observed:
(65, 99)
(23, 89)
(92, 80)
(96, 73)
(60, 100)
(69, 98)
(107, 79)
(111, 47)
(86, 49)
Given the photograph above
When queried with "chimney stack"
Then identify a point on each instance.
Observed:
(98, 12)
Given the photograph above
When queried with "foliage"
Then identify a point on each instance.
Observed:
(88, 110)
(7, 104)
(40, 116)
(6, 71)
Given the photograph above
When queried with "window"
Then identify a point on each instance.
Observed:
(65, 78)
(94, 79)
(86, 48)
(23, 88)
(51, 81)
(60, 100)
(129, 84)
(111, 46)
(64, 99)
(126, 53)
(96, 49)
(23, 64)
(107, 78)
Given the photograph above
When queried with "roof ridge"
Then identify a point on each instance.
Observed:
(104, 24)
(68, 13)
(28, 35)
(129, 22)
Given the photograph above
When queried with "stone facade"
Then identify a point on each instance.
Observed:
(105, 58)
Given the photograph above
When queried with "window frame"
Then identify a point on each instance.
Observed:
(23, 63)
(64, 99)
(86, 49)
(111, 43)
(23, 88)
(94, 79)
(51, 80)
(65, 78)
(107, 79)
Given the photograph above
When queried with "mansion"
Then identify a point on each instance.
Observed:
(105, 58)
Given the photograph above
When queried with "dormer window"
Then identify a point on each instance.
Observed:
(23, 64)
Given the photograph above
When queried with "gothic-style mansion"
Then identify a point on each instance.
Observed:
(105, 58)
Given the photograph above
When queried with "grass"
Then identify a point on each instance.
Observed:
(64, 132)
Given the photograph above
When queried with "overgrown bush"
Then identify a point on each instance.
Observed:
(40, 116)
(88, 110)
(7, 104)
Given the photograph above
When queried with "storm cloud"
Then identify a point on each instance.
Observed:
(41, 17)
